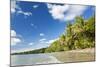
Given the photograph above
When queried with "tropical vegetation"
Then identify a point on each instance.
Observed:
(79, 34)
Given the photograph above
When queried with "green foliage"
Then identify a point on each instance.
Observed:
(79, 35)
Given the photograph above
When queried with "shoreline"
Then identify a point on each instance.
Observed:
(86, 50)
(79, 55)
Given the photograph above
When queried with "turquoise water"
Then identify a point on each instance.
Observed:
(60, 57)
(32, 59)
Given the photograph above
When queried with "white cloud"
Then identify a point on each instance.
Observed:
(24, 13)
(13, 10)
(45, 41)
(41, 34)
(31, 43)
(13, 33)
(65, 12)
(17, 9)
(57, 11)
(35, 6)
(33, 25)
(74, 11)
(14, 39)
(14, 6)
(42, 40)
(51, 41)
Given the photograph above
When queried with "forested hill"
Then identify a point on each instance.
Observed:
(78, 35)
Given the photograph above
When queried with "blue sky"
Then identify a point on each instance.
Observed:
(36, 25)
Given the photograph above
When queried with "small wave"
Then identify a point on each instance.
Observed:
(51, 60)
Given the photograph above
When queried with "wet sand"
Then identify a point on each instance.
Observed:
(79, 55)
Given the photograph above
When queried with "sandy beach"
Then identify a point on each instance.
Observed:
(78, 55)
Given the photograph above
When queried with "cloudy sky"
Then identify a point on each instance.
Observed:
(36, 25)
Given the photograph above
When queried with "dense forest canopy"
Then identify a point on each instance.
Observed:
(77, 35)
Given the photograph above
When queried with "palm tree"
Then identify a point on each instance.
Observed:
(62, 39)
